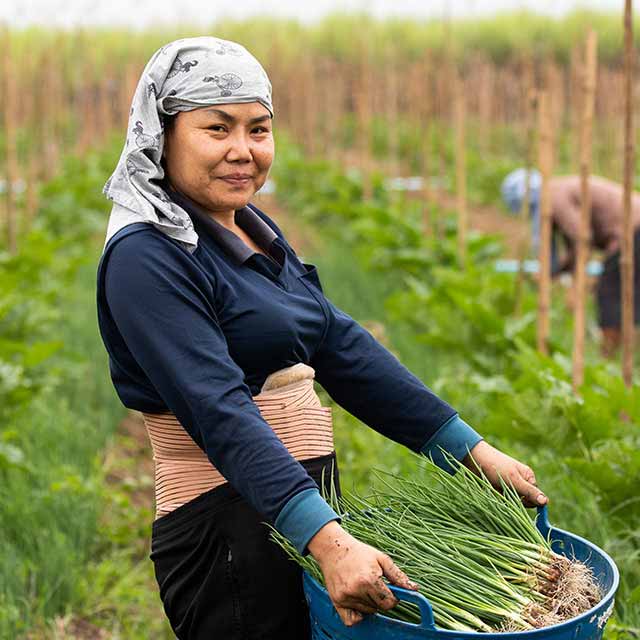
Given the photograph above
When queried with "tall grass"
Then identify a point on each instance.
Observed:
(56, 427)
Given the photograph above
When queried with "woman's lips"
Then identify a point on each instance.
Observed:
(238, 181)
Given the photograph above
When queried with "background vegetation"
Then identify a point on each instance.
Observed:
(75, 501)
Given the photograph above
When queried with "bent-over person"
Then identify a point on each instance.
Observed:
(605, 236)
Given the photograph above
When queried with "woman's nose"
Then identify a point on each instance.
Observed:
(239, 148)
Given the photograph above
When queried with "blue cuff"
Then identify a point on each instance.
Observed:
(303, 516)
(456, 437)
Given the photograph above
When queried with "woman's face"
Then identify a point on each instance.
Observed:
(219, 156)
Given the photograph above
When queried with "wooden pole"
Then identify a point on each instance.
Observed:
(461, 170)
(584, 233)
(575, 74)
(362, 91)
(392, 110)
(51, 149)
(428, 113)
(627, 257)
(33, 113)
(525, 243)
(11, 159)
(485, 104)
(545, 160)
(309, 106)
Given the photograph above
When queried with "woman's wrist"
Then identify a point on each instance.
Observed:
(329, 540)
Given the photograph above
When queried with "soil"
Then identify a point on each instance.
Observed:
(482, 218)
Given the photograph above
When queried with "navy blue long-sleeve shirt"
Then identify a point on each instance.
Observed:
(198, 333)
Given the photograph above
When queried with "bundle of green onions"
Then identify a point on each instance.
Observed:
(475, 552)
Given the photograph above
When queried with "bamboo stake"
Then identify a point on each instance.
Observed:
(428, 208)
(363, 97)
(309, 107)
(461, 170)
(584, 233)
(11, 160)
(331, 102)
(33, 103)
(525, 243)
(104, 107)
(554, 81)
(545, 160)
(627, 257)
(445, 95)
(576, 71)
(392, 111)
(50, 120)
(485, 105)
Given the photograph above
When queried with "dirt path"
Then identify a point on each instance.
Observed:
(483, 218)
(491, 220)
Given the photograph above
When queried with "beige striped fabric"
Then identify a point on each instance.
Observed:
(287, 402)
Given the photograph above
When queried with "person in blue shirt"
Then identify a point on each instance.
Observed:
(201, 302)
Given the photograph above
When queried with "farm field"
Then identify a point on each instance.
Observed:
(76, 482)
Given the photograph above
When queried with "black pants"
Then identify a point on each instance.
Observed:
(221, 577)
(609, 292)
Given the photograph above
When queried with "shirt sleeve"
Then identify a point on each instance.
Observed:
(159, 300)
(366, 379)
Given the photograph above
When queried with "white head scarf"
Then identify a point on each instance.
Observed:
(181, 76)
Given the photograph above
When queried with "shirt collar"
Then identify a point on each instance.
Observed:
(247, 219)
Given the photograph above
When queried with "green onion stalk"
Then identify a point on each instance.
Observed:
(475, 552)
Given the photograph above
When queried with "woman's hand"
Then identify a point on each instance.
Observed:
(496, 465)
(353, 573)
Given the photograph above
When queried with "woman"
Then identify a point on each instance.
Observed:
(215, 331)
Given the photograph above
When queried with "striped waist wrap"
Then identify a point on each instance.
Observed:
(287, 402)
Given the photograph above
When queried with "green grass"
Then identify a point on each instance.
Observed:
(72, 545)
(50, 504)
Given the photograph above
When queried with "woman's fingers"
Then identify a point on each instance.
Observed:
(353, 573)
(372, 593)
(362, 603)
(524, 482)
(395, 575)
(382, 595)
(348, 616)
(499, 467)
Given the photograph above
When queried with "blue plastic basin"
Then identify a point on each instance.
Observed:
(326, 624)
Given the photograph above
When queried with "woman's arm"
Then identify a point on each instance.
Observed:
(369, 382)
(157, 296)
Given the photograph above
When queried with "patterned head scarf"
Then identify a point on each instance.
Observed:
(181, 76)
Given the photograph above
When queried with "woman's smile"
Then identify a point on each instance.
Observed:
(238, 179)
